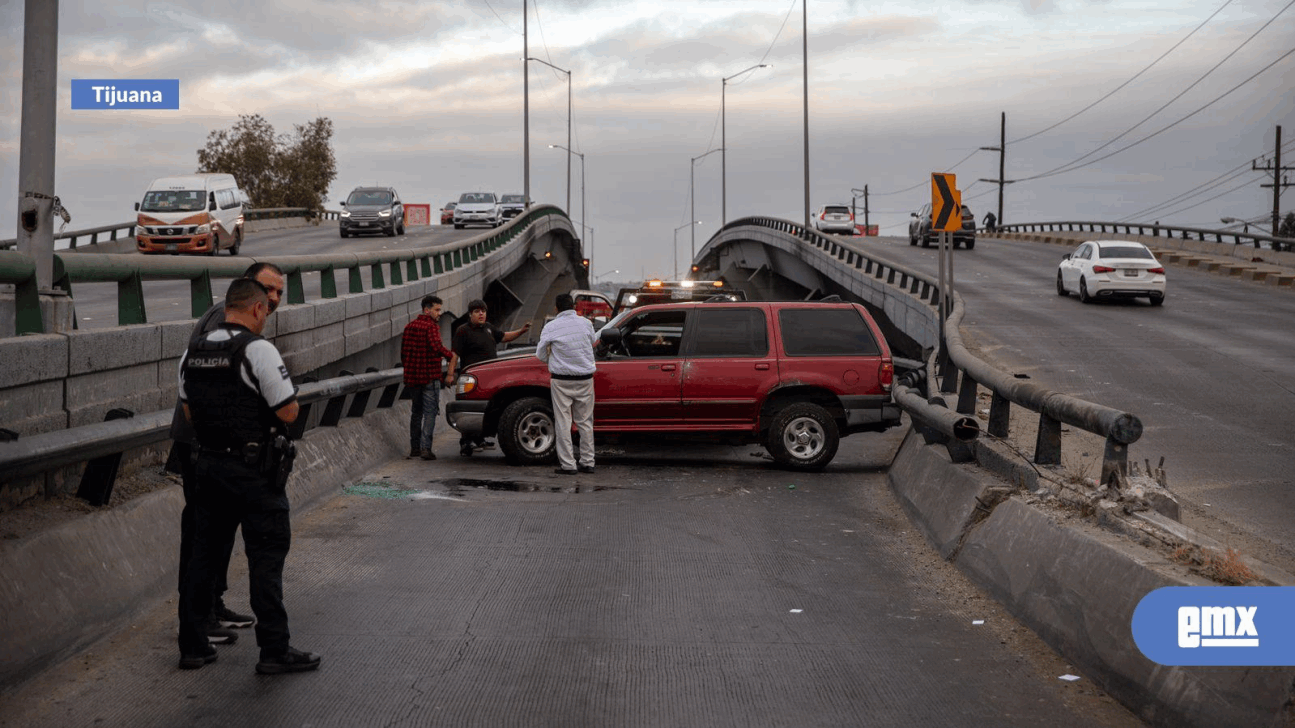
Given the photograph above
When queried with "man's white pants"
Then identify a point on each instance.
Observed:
(574, 400)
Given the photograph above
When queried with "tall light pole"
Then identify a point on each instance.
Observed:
(526, 112)
(856, 193)
(582, 197)
(676, 245)
(692, 195)
(568, 73)
(605, 273)
(804, 4)
(723, 141)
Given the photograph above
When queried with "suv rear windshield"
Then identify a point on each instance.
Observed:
(826, 332)
(369, 198)
(729, 332)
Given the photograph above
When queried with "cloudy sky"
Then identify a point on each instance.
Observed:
(427, 97)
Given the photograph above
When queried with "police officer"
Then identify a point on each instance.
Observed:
(236, 391)
(181, 461)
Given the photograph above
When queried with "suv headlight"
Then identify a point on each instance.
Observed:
(344, 213)
(465, 383)
(384, 213)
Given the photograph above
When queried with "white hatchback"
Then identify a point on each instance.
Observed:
(1112, 269)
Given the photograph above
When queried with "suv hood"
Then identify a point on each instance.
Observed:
(368, 208)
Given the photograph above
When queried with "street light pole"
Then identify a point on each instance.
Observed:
(526, 112)
(692, 196)
(676, 245)
(723, 140)
(582, 197)
(804, 4)
(568, 73)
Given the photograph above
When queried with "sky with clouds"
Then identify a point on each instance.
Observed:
(428, 97)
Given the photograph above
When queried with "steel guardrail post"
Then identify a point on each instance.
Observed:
(130, 300)
(328, 282)
(200, 298)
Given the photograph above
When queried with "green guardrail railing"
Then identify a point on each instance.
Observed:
(130, 271)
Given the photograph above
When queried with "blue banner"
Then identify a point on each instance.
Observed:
(126, 93)
(1217, 625)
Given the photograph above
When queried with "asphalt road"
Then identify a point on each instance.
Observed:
(1211, 374)
(678, 586)
(96, 303)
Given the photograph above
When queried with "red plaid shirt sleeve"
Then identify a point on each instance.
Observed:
(421, 351)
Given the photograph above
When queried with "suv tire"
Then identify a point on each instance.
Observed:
(527, 433)
(971, 245)
(343, 233)
(803, 436)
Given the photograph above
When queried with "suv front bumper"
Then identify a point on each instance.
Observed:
(467, 416)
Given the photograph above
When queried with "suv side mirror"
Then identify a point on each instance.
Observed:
(609, 335)
(343, 204)
(136, 207)
(912, 214)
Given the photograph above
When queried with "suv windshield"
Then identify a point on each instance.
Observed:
(476, 198)
(369, 198)
(513, 198)
(174, 201)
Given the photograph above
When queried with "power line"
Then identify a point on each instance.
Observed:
(1072, 164)
(919, 184)
(1126, 83)
(1243, 185)
(1222, 178)
(1063, 168)
(501, 20)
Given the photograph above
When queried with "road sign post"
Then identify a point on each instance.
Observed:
(946, 217)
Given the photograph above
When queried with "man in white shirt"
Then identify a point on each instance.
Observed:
(567, 346)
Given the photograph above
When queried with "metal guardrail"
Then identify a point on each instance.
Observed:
(1168, 231)
(115, 231)
(30, 456)
(130, 271)
(946, 366)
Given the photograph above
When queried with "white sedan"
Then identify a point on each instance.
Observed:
(1112, 269)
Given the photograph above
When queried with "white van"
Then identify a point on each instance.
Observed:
(196, 213)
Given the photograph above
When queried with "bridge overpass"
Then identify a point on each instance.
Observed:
(773, 258)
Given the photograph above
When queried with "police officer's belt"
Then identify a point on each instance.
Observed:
(242, 449)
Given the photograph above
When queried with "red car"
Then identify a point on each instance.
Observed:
(447, 213)
(793, 376)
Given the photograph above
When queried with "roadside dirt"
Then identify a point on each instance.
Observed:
(43, 513)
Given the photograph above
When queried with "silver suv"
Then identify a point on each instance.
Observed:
(919, 229)
(834, 219)
(372, 210)
(478, 208)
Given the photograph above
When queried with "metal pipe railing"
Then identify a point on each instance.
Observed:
(1153, 230)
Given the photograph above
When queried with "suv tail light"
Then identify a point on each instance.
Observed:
(886, 374)
(1103, 269)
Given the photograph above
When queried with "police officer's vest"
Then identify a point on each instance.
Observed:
(225, 411)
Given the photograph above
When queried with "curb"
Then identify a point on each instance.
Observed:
(1076, 586)
(63, 589)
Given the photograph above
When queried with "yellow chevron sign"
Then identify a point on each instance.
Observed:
(946, 203)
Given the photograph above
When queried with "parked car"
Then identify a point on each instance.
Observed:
(1112, 269)
(372, 210)
(447, 213)
(834, 219)
(512, 205)
(793, 376)
(478, 208)
(919, 229)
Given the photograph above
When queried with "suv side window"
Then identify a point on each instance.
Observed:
(658, 333)
(729, 332)
(826, 332)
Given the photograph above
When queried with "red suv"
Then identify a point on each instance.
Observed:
(793, 376)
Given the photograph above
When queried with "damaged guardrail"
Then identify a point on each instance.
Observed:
(954, 362)
(103, 444)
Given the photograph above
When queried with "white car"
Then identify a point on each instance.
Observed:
(834, 219)
(1112, 269)
(478, 208)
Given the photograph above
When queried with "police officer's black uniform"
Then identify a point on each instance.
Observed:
(233, 382)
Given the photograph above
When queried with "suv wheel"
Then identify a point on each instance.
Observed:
(391, 231)
(343, 233)
(527, 434)
(803, 436)
(400, 230)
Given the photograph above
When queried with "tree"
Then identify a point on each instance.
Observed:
(1287, 230)
(275, 170)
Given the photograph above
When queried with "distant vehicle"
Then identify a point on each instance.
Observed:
(447, 213)
(512, 205)
(194, 213)
(372, 210)
(834, 219)
(590, 304)
(478, 208)
(660, 291)
(793, 376)
(919, 229)
(1112, 269)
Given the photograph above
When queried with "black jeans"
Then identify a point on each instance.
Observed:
(230, 494)
(181, 453)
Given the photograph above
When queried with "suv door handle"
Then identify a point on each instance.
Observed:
(667, 367)
(762, 367)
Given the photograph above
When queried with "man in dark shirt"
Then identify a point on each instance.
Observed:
(421, 352)
(477, 341)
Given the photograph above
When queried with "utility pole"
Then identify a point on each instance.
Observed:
(36, 153)
(1279, 181)
(855, 193)
(1002, 164)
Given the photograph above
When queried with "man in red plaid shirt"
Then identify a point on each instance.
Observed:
(421, 352)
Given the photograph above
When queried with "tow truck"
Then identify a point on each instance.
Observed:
(663, 291)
